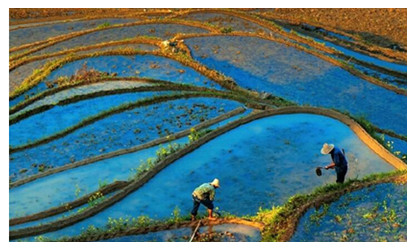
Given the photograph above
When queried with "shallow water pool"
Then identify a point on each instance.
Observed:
(377, 213)
(118, 131)
(163, 31)
(259, 164)
(284, 71)
(141, 66)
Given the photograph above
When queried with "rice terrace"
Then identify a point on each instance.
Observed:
(207, 125)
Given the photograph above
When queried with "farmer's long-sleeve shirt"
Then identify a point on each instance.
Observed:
(339, 159)
(205, 191)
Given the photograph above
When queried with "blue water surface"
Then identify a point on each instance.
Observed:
(397, 81)
(377, 213)
(60, 118)
(300, 77)
(118, 131)
(360, 56)
(396, 145)
(259, 164)
(141, 66)
(83, 90)
(86, 179)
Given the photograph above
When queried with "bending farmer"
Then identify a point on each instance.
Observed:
(339, 162)
(204, 194)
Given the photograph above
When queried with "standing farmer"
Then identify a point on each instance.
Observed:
(204, 194)
(339, 162)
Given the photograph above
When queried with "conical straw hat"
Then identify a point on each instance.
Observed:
(326, 148)
(215, 183)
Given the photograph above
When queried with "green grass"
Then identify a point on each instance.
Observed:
(103, 25)
(276, 218)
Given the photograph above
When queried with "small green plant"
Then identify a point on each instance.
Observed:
(194, 135)
(176, 214)
(318, 215)
(77, 190)
(90, 231)
(41, 168)
(103, 25)
(119, 225)
(102, 184)
(163, 152)
(23, 170)
(42, 238)
(36, 71)
(338, 218)
(95, 199)
(226, 30)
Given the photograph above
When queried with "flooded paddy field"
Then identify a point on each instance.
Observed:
(114, 120)
(376, 213)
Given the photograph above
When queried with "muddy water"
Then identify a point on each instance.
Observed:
(228, 21)
(19, 74)
(33, 34)
(259, 164)
(163, 31)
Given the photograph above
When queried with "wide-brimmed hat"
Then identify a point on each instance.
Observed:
(215, 183)
(326, 148)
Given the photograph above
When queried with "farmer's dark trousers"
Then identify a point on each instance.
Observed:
(196, 203)
(340, 175)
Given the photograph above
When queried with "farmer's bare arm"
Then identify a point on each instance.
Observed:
(331, 165)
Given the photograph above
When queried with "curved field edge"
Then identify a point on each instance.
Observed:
(282, 221)
(185, 58)
(337, 62)
(121, 108)
(112, 187)
(149, 226)
(20, 106)
(276, 224)
(53, 40)
(152, 143)
(116, 184)
(118, 109)
(136, 40)
(22, 18)
(142, 179)
(260, 19)
(380, 51)
(164, 85)
(221, 79)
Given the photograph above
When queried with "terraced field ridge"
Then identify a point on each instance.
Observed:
(117, 115)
